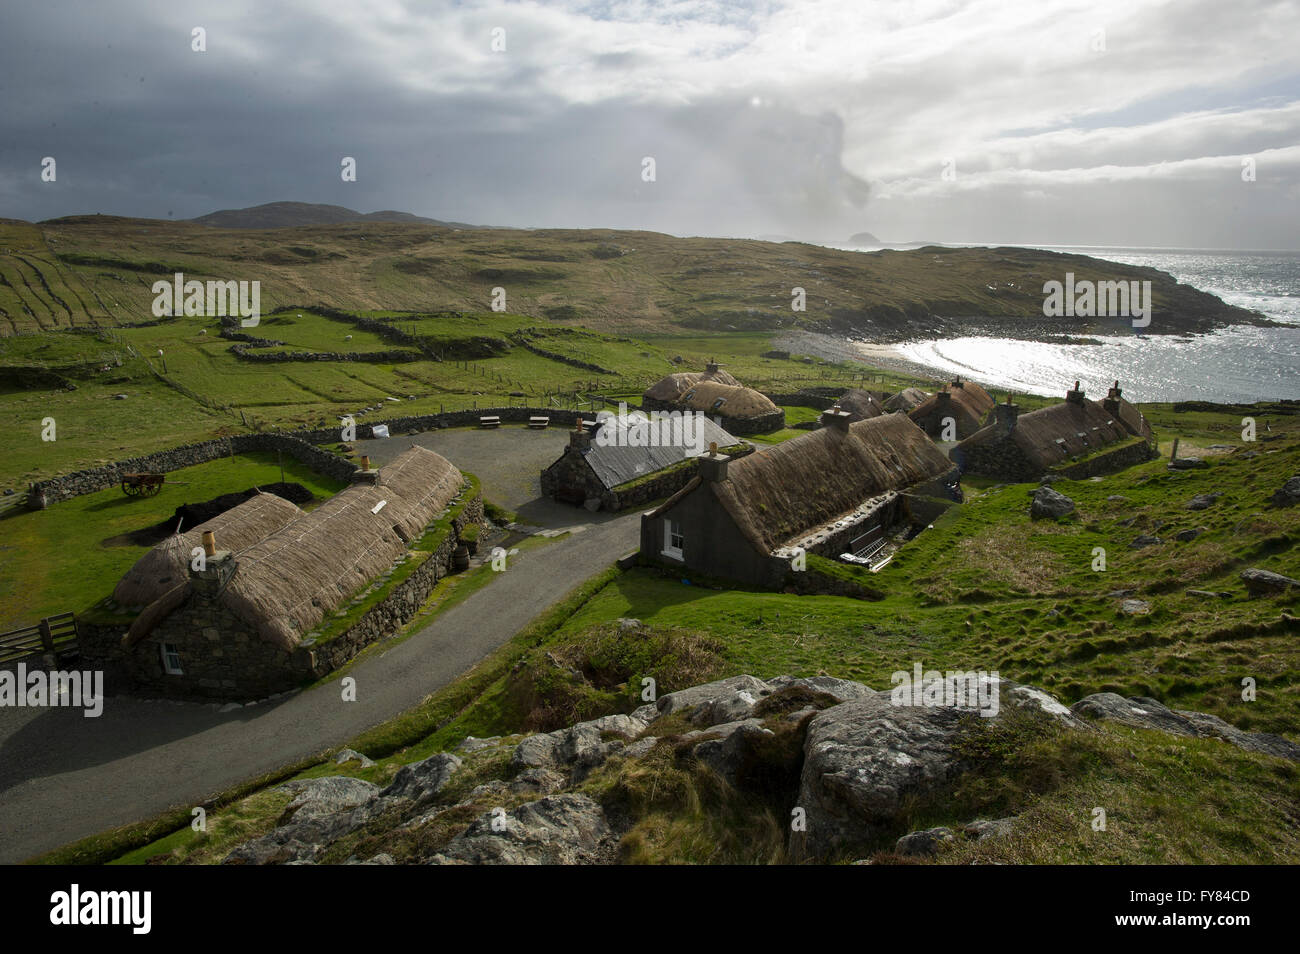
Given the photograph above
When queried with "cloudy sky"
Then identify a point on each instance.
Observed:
(1042, 122)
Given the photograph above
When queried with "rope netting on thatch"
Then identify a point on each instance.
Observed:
(285, 584)
(167, 564)
(810, 480)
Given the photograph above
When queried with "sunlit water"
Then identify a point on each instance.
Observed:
(1238, 364)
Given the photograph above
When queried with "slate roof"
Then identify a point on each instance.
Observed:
(616, 463)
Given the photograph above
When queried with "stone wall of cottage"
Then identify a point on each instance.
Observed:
(1109, 461)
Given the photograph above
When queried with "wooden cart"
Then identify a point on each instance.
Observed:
(142, 485)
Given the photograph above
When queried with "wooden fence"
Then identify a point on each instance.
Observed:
(54, 635)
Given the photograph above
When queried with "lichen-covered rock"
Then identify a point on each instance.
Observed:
(1049, 503)
(727, 700)
(579, 748)
(841, 689)
(1146, 713)
(865, 760)
(567, 829)
(421, 781)
(920, 844)
(1266, 581)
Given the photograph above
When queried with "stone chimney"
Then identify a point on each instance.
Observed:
(1075, 396)
(958, 383)
(712, 367)
(218, 568)
(713, 465)
(836, 417)
(1006, 415)
(367, 474)
(580, 438)
(1111, 404)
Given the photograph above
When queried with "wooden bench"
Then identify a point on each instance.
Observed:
(489, 420)
(539, 422)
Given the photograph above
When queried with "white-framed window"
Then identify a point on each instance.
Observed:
(171, 660)
(673, 538)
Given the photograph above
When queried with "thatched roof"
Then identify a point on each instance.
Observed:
(287, 582)
(167, 564)
(803, 483)
(905, 399)
(966, 402)
(670, 389)
(1054, 434)
(860, 404)
(726, 400)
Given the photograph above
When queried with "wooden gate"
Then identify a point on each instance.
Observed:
(54, 635)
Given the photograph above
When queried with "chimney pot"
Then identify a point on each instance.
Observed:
(209, 543)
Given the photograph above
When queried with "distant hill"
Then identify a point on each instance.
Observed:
(282, 215)
(865, 238)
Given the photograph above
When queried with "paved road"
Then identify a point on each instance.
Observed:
(63, 776)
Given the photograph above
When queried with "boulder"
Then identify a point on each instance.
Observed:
(1050, 503)
(920, 844)
(865, 760)
(1260, 582)
(1145, 540)
(1187, 463)
(351, 755)
(1187, 536)
(726, 746)
(982, 829)
(1202, 501)
(1145, 713)
(421, 781)
(565, 829)
(579, 748)
(323, 810)
(727, 700)
(1288, 495)
(1135, 607)
(841, 689)
(325, 796)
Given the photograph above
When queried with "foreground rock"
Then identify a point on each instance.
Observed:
(864, 761)
(1288, 495)
(1266, 581)
(557, 830)
(1050, 503)
(1144, 713)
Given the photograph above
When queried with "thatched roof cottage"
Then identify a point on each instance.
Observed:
(740, 519)
(617, 462)
(861, 405)
(905, 400)
(964, 403)
(234, 626)
(714, 392)
(1079, 438)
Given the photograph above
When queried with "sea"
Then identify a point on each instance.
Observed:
(1237, 364)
